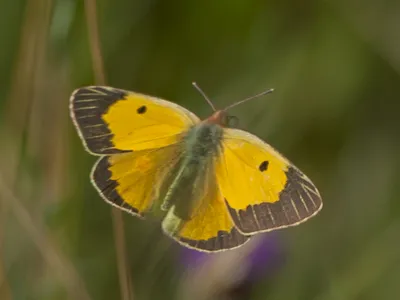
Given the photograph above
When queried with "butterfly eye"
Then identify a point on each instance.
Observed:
(232, 121)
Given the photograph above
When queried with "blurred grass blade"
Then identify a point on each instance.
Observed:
(119, 232)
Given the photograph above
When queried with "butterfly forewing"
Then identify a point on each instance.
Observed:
(112, 121)
(263, 191)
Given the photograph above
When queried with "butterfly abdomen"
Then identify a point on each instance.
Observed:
(202, 144)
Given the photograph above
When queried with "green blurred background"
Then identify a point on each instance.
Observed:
(335, 112)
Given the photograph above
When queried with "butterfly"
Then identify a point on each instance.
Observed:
(215, 185)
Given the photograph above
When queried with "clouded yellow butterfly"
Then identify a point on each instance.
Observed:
(217, 185)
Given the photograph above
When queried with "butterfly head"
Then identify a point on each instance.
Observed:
(222, 118)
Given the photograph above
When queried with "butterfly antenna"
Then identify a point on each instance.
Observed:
(204, 95)
(248, 99)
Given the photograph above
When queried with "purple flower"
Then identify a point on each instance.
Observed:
(233, 272)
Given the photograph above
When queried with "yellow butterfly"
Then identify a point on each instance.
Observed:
(217, 185)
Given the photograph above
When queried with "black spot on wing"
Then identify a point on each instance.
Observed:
(263, 166)
(141, 110)
(297, 201)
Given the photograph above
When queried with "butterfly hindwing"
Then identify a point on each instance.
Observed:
(209, 228)
(132, 181)
(262, 189)
(112, 121)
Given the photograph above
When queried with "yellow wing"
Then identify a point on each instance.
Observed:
(262, 189)
(210, 227)
(112, 120)
(133, 181)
